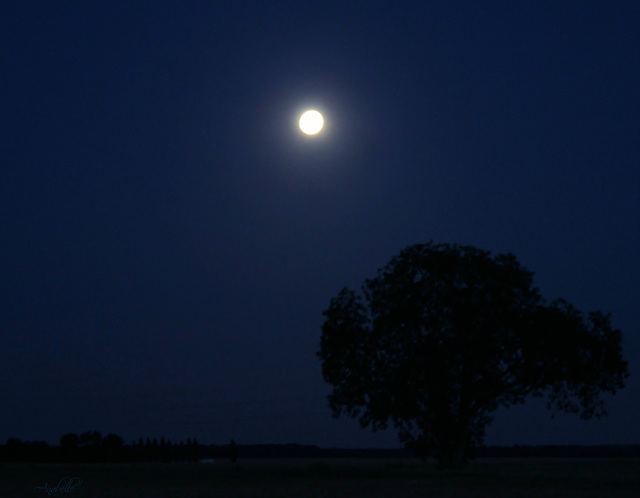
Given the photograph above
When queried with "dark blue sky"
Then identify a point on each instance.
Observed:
(169, 239)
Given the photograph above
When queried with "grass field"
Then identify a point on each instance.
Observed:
(331, 478)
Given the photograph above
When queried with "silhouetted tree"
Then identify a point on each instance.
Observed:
(69, 447)
(138, 451)
(90, 438)
(70, 440)
(148, 450)
(446, 334)
(170, 454)
(155, 450)
(15, 450)
(112, 448)
(165, 450)
(89, 446)
(192, 450)
(38, 452)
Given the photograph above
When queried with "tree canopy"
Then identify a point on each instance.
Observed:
(445, 334)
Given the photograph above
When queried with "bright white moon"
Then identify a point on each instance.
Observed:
(311, 122)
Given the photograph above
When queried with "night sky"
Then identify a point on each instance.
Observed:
(169, 238)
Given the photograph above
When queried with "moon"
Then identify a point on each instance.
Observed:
(311, 122)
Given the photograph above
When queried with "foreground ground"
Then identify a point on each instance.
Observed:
(331, 478)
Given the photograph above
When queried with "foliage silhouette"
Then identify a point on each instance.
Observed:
(112, 448)
(445, 334)
(70, 441)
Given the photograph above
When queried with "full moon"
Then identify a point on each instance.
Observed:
(311, 122)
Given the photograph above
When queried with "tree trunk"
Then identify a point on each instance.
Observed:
(452, 457)
(453, 451)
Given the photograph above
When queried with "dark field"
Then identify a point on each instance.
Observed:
(337, 477)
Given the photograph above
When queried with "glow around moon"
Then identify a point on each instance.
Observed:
(311, 122)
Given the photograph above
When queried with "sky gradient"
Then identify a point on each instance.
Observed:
(169, 239)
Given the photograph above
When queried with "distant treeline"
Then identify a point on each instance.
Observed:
(91, 447)
(551, 451)
(300, 451)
